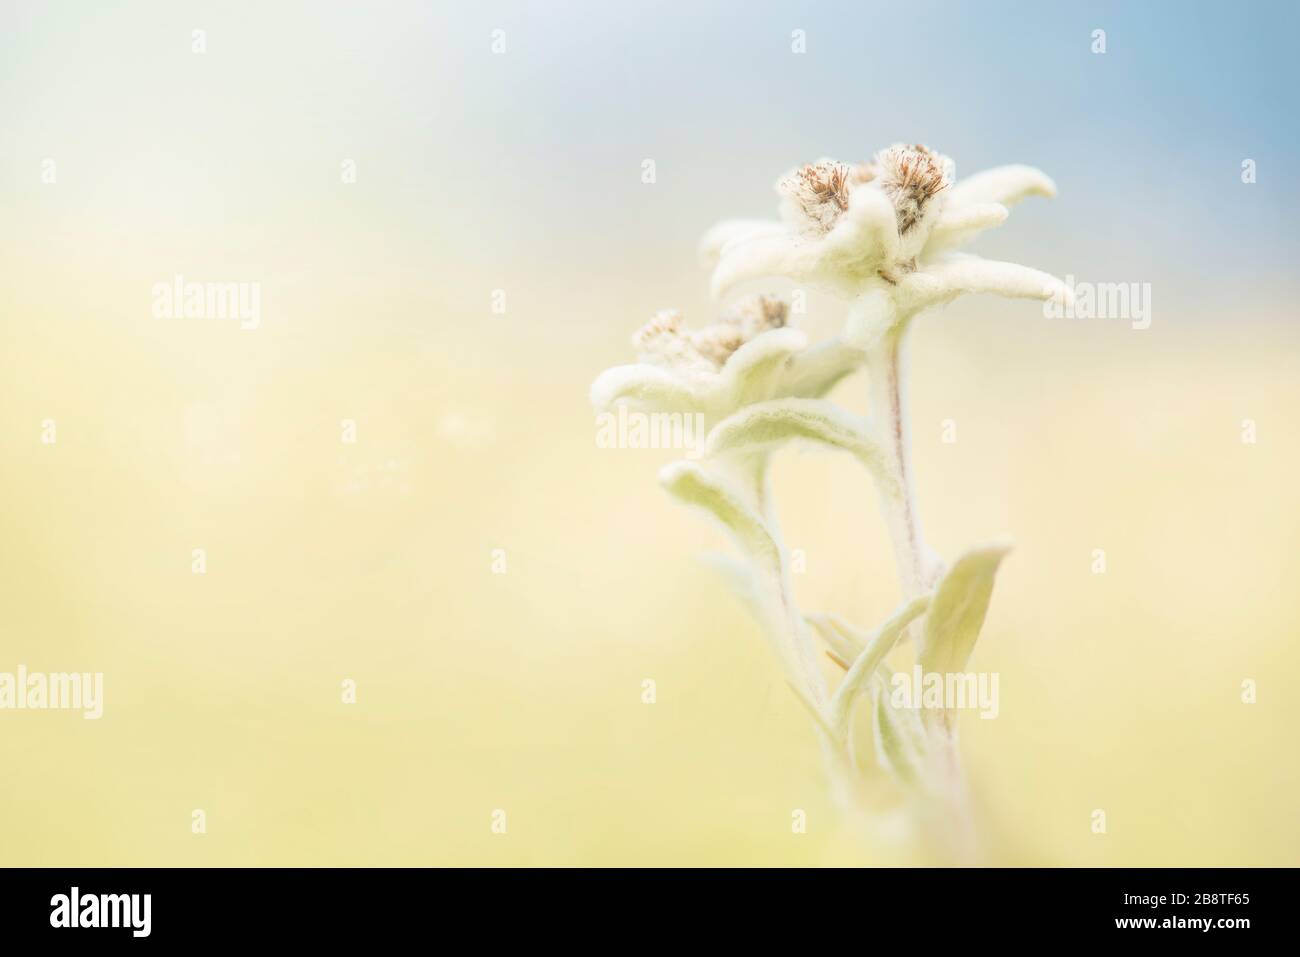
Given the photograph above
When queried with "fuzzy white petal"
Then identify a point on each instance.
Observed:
(692, 484)
(754, 371)
(871, 316)
(815, 371)
(960, 225)
(867, 233)
(766, 426)
(731, 230)
(954, 274)
(650, 386)
(858, 679)
(1007, 185)
(762, 256)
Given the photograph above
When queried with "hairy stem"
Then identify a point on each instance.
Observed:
(889, 417)
(946, 800)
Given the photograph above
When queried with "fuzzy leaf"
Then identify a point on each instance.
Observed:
(734, 230)
(954, 274)
(1007, 185)
(858, 679)
(760, 255)
(644, 385)
(870, 317)
(690, 483)
(960, 225)
(755, 370)
(840, 636)
(899, 734)
(816, 370)
(958, 609)
(769, 425)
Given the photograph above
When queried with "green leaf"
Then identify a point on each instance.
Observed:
(958, 609)
(858, 679)
(692, 484)
(768, 425)
(899, 734)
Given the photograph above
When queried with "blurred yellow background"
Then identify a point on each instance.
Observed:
(374, 561)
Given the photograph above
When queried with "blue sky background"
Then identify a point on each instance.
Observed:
(522, 171)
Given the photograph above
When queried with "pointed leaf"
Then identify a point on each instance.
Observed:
(899, 734)
(690, 483)
(877, 646)
(867, 233)
(816, 370)
(958, 609)
(646, 385)
(769, 425)
(734, 230)
(953, 274)
(960, 225)
(761, 255)
(839, 636)
(755, 370)
(1007, 185)
(870, 318)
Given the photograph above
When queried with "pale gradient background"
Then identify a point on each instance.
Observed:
(522, 172)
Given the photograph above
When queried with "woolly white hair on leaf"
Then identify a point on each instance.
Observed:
(646, 385)
(957, 611)
(759, 255)
(840, 636)
(815, 371)
(1007, 185)
(871, 316)
(958, 226)
(954, 274)
(693, 485)
(766, 426)
(731, 230)
(899, 735)
(754, 370)
(875, 648)
(775, 364)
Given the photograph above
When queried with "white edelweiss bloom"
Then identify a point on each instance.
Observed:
(869, 233)
(748, 355)
(837, 231)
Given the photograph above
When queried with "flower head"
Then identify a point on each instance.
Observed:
(912, 178)
(855, 230)
(748, 354)
(814, 196)
(663, 340)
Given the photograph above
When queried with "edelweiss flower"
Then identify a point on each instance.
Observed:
(881, 232)
(749, 354)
